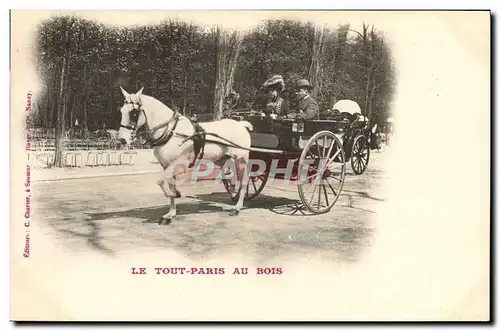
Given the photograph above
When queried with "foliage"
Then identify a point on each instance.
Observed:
(175, 62)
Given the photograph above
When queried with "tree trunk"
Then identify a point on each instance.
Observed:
(72, 112)
(315, 67)
(53, 107)
(220, 46)
(234, 51)
(184, 103)
(368, 70)
(46, 123)
(171, 92)
(339, 50)
(372, 116)
(84, 124)
(227, 53)
(61, 109)
(371, 65)
(367, 94)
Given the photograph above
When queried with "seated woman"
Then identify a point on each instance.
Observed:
(230, 102)
(275, 105)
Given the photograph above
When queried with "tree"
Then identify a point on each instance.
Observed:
(193, 67)
(316, 58)
(63, 100)
(228, 47)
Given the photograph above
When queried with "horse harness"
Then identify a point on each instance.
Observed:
(199, 137)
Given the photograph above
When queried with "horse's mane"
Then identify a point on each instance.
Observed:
(150, 101)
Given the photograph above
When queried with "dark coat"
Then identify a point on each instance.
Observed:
(308, 109)
(279, 107)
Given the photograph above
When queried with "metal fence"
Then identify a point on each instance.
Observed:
(78, 159)
(84, 152)
(48, 145)
(75, 134)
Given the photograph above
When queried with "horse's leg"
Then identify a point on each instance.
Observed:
(167, 218)
(220, 163)
(241, 172)
(172, 193)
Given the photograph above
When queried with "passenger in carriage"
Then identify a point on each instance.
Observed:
(230, 102)
(307, 108)
(275, 105)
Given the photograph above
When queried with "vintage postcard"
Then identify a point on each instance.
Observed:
(250, 165)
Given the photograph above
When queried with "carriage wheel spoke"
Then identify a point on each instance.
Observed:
(358, 164)
(309, 189)
(332, 144)
(326, 195)
(328, 165)
(324, 147)
(338, 179)
(333, 158)
(333, 190)
(312, 195)
(317, 147)
(335, 166)
(361, 164)
(330, 154)
(311, 176)
(354, 160)
(311, 154)
(355, 149)
(255, 187)
(319, 197)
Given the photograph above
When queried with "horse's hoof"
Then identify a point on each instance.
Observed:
(165, 220)
(234, 212)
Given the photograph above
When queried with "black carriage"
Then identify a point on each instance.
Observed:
(357, 138)
(318, 151)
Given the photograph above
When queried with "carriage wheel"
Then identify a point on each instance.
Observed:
(321, 172)
(255, 185)
(360, 154)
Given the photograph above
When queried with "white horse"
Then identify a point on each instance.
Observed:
(168, 131)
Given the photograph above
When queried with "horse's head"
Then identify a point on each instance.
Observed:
(132, 116)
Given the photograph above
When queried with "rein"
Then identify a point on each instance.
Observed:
(231, 144)
(168, 133)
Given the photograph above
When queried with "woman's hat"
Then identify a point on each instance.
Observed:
(276, 81)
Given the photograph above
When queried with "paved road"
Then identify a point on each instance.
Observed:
(113, 215)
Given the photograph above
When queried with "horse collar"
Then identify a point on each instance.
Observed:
(167, 134)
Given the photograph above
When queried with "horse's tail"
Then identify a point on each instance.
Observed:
(247, 125)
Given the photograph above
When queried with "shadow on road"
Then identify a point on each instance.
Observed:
(153, 214)
(112, 225)
(281, 205)
(263, 201)
(365, 195)
(93, 237)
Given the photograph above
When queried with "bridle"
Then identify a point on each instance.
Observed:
(164, 137)
(138, 109)
(198, 137)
